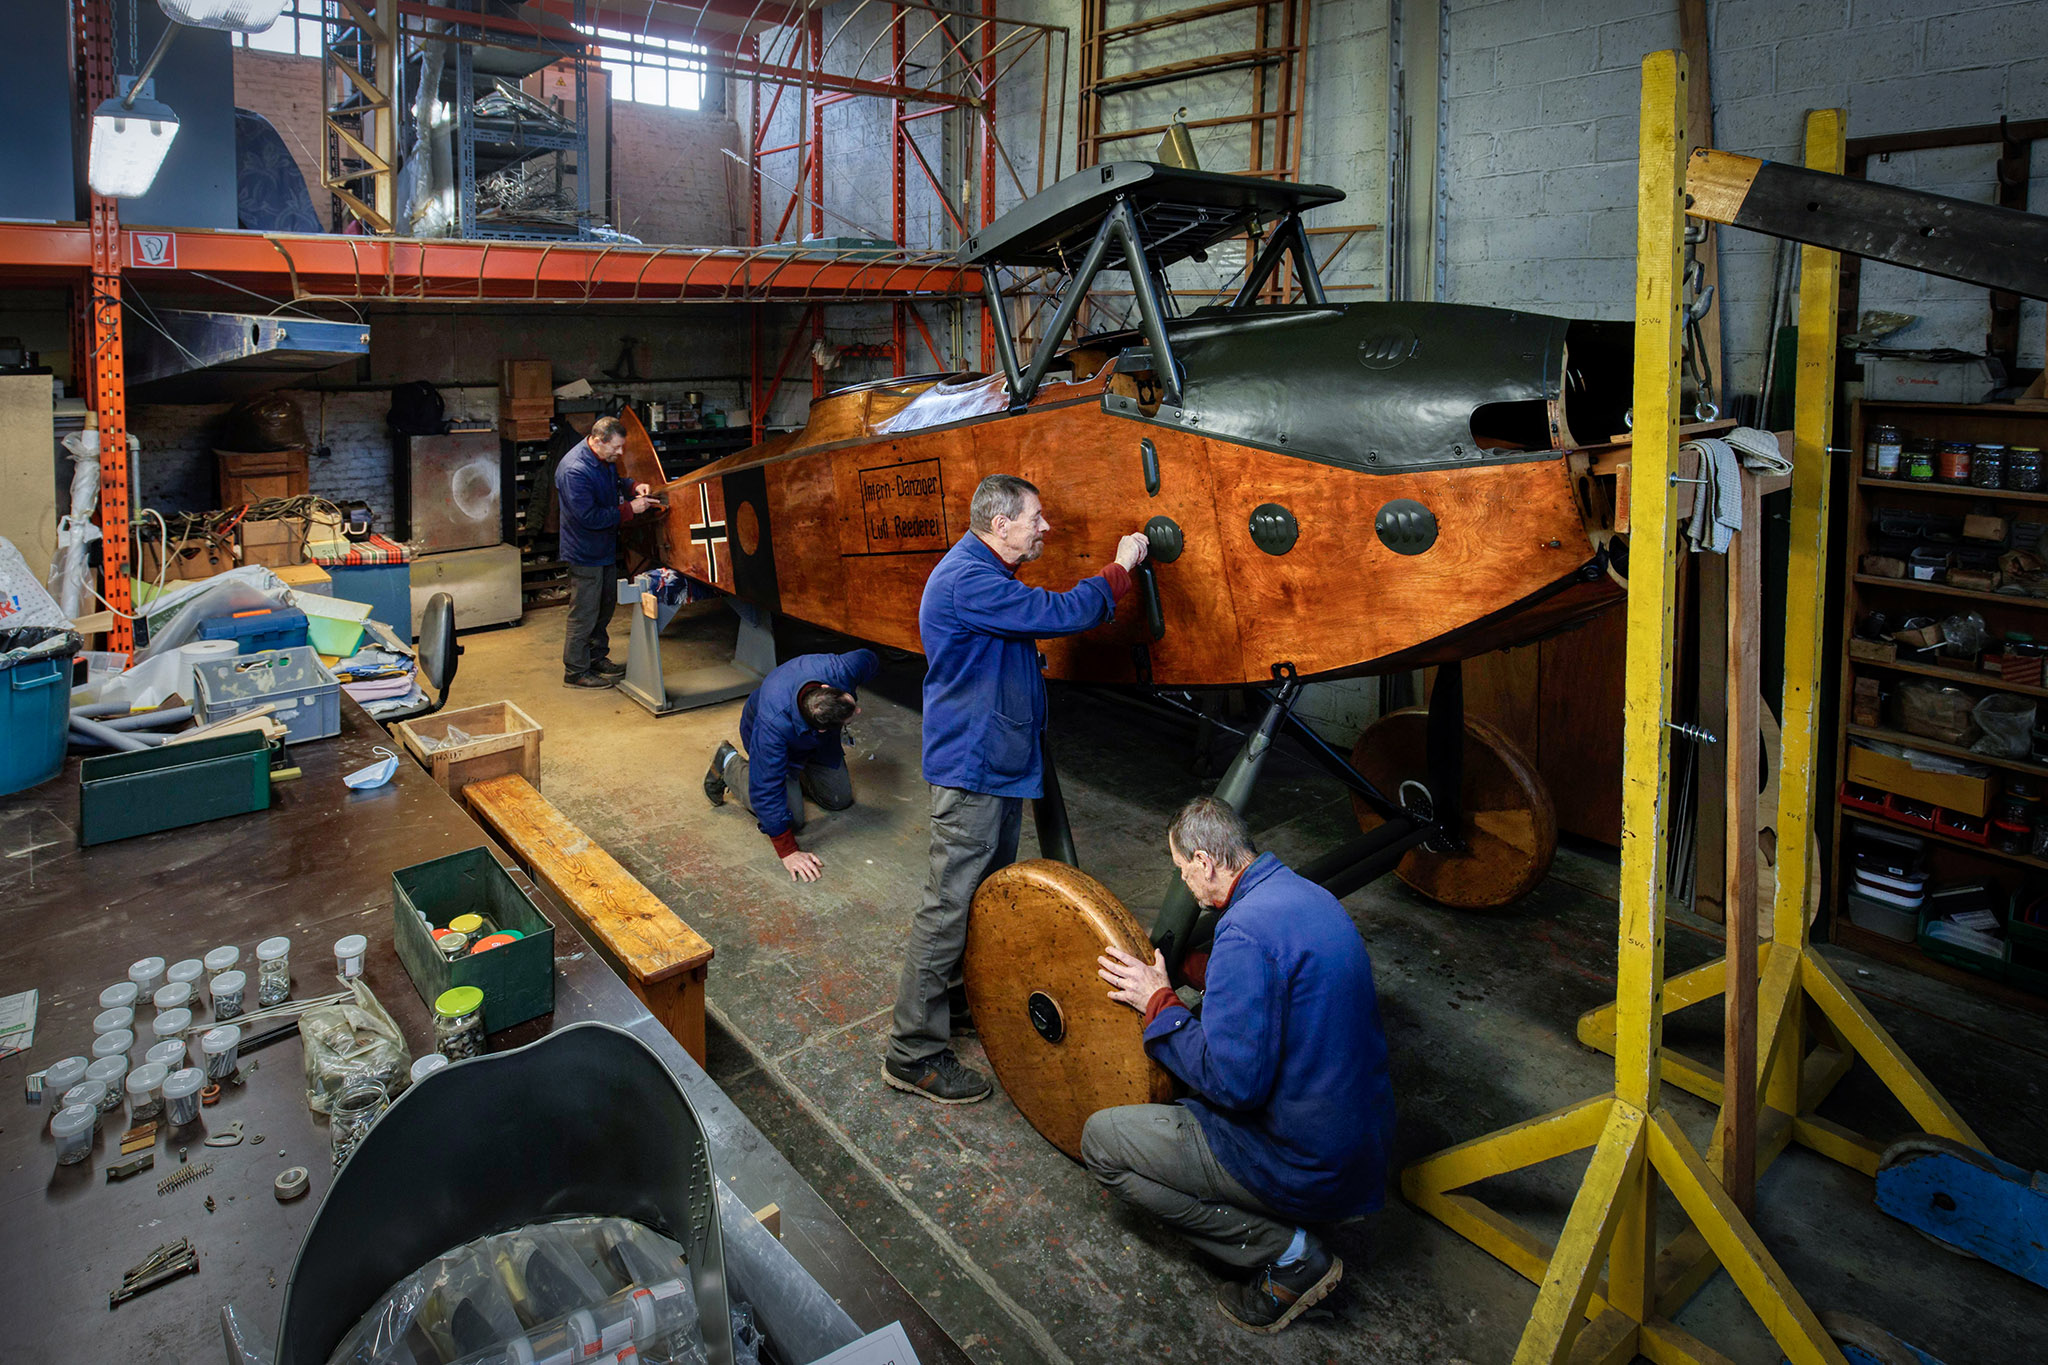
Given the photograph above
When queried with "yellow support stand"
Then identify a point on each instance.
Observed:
(1796, 1078)
(1638, 1149)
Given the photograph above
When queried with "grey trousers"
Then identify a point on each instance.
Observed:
(973, 834)
(831, 788)
(593, 596)
(1155, 1157)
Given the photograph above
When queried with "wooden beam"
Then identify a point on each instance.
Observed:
(1739, 1065)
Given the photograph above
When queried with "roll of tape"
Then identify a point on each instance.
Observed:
(291, 1184)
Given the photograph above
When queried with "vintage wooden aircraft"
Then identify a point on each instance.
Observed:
(1331, 490)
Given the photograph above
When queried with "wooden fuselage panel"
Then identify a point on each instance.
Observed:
(854, 528)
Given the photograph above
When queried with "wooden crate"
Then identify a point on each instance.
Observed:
(504, 739)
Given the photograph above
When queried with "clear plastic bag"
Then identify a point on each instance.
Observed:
(1964, 636)
(546, 1292)
(2008, 725)
(351, 1039)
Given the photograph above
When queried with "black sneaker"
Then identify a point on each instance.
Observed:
(1280, 1294)
(939, 1078)
(605, 668)
(588, 680)
(714, 776)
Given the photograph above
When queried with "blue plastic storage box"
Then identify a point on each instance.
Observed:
(35, 706)
(256, 631)
(306, 697)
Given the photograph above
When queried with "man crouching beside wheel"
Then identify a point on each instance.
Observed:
(1292, 1109)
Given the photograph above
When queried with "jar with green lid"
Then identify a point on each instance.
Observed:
(459, 1023)
(1917, 464)
(2023, 469)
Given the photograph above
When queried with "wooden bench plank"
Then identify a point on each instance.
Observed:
(664, 958)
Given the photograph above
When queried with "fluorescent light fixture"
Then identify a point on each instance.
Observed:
(240, 16)
(130, 138)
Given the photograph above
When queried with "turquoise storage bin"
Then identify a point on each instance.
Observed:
(35, 708)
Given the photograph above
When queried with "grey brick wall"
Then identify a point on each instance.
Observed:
(1542, 167)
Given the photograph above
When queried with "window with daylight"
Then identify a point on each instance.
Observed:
(296, 32)
(650, 70)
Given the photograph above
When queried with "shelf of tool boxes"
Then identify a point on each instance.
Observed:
(1941, 831)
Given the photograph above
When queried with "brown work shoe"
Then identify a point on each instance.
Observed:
(1280, 1294)
(938, 1078)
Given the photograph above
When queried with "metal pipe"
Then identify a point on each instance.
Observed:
(1006, 349)
(1070, 304)
(1123, 220)
(150, 720)
(163, 45)
(112, 739)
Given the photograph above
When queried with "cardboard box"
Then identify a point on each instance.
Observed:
(191, 558)
(1887, 379)
(273, 544)
(307, 578)
(1952, 791)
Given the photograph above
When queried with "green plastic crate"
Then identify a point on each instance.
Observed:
(517, 979)
(1993, 967)
(172, 785)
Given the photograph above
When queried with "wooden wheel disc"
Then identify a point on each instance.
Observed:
(1060, 1046)
(1509, 825)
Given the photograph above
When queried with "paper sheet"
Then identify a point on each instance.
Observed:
(17, 1022)
(889, 1346)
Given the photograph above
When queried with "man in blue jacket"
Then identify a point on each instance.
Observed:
(791, 730)
(984, 706)
(1292, 1110)
(593, 500)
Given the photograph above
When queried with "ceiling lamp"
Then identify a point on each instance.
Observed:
(130, 138)
(240, 16)
(133, 133)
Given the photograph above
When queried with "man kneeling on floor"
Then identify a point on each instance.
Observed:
(790, 728)
(1292, 1109)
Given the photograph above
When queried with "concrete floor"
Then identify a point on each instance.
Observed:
(1013, 1248)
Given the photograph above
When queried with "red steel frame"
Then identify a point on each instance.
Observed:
(96, 353)
(970, 66)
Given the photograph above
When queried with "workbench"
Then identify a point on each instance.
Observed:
(316, 866)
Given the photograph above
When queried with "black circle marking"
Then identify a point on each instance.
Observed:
(1046, 1017)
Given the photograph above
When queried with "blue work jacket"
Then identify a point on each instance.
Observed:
(592, 496)
(984, 699)
(780, 742)
(1288, 1059)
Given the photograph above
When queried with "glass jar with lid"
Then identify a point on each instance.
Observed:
(1952, 463)
(2023, 469)
(459, 1023)
(1987, 467)
(1881, 453)
(1916, 465)
(273, 971)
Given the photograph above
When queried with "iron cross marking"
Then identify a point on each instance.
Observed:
(710, 533)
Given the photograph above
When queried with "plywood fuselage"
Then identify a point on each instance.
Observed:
(840, 525)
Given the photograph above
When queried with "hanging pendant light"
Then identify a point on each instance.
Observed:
(130, 138)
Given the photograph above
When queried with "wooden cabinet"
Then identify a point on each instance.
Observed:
(1888, 518)
(246, 477)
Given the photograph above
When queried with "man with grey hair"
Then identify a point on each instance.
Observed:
(1292, 1110)
(984, 708)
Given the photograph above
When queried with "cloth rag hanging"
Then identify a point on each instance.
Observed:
(1717, 501)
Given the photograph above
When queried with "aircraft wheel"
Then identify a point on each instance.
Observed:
(1061, 1048)
(1508, 828)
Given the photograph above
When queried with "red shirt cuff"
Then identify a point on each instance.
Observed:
(1119, 580)
(785, 843)
(625, 512)
(1162, 999)
(1194, 969)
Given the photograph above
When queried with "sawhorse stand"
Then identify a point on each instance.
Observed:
(1581, 1313)
(753, 655)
